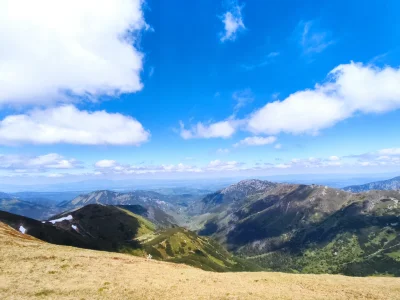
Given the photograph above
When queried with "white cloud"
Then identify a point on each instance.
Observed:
(223, 151)
(282, 166)
(55, 175)
(256, 141)
(51, 161)
(67, 124)
(151, 71)
(233, 22)
(278, 146)
(313, 40)
(105, 163)
(389, 151)
(350, 88)
(242, 98)
(223, 129)
(333, 158)
(382, 153)
(52, 49)
(273, 54)
(311, 162)
(113, 167)
(217, 165)
(382, 157)
(370, 159)
(270, 58)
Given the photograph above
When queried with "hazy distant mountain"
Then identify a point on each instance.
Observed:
(115, 198)
(24, 208)
(391, 184)
(4, 195)
(45, 198)
(173, 205)
(306, 228)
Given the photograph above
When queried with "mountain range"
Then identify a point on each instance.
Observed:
(390, 184)
(263, 224)
(126, 229)
(305, 228)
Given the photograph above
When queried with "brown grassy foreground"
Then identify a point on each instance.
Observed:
(33, 269)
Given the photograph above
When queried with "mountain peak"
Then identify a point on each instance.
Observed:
(249, 186)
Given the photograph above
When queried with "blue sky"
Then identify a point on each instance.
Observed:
(182, 89)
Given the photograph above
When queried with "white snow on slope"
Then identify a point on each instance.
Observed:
(74, 227)
(68, 218)
(22, 229)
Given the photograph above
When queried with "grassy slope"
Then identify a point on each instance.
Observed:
(352, 241)
(183, 246)
(171, 244)
(117, 229)
(32, 269)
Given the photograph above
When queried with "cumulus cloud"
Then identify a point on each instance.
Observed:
(52, 49)
(223, 129)
(349, 89)
(105, 163)
(45, 162)
(313, 40)
(233, 23)
(67, 124)
(256, 141)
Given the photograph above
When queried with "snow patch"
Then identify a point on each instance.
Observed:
(74, 227)
(22, 229)
(68, 218)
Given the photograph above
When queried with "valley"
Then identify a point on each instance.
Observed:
(248, 226)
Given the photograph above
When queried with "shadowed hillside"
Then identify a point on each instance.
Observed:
(125, 229)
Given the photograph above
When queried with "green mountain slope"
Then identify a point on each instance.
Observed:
(362, 238)
(311, 229)
(184, 246)
(127, 229)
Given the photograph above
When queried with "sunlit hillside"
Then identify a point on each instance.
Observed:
(30, 268)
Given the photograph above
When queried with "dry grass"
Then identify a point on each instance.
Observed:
(33, 269)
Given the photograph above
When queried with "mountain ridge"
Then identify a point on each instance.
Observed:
(286, 222)
(389, 184)
(126, 230)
